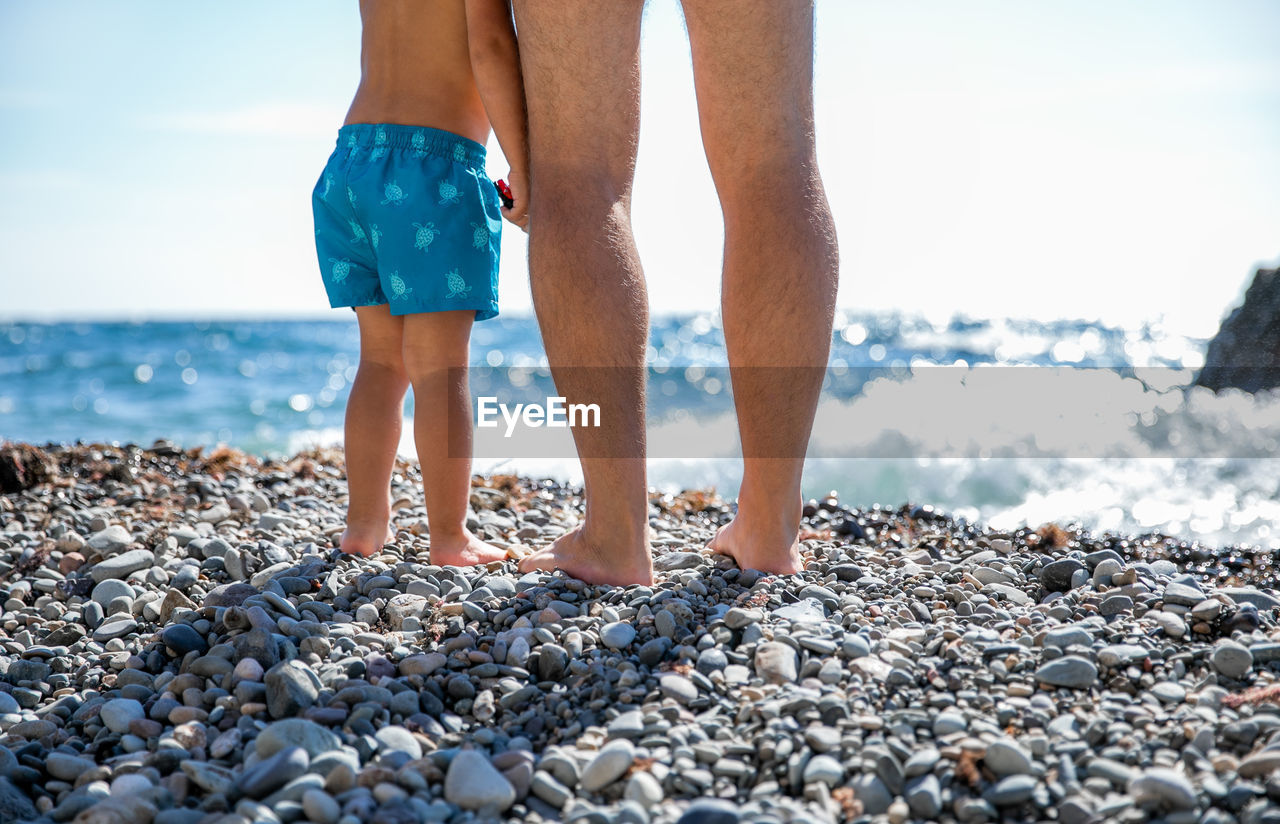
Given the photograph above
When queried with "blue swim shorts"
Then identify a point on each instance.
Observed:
(406, 216)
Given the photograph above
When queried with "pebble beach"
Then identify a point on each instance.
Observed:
(181, 643)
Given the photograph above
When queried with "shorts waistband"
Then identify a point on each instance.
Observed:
(423, 139)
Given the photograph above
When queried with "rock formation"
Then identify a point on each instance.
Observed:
(1245, 354)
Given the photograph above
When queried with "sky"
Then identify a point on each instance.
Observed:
(1115, 160)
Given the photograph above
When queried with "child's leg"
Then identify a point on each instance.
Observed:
(435, 356)
(374, 414)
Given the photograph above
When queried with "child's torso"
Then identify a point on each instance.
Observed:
(416, 68)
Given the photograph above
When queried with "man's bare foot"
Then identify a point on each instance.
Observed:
(366, 539)
(752, 550)
(463, 549)
(572, 554)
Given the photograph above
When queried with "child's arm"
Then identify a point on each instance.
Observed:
(495, 62)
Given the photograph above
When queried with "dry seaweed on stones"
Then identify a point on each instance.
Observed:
(23, 466)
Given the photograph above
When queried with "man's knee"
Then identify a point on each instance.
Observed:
(568, 197)
(766, 178)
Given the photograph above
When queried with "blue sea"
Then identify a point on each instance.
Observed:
(1004, 421)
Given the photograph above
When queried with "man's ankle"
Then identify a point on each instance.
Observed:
(611, 538)
(450, 532)
(780, 514)
(366, 519)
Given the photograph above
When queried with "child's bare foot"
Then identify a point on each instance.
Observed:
(572, 554)
(463, 549)
(366, 539)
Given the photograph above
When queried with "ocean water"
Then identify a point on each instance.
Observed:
(1005, 421)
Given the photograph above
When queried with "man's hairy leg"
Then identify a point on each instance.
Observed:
(753, 68)
(580, 60)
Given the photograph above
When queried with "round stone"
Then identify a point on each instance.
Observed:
(1006, 757)
(1056, 576)
(1106, 568)
(678, 687)
(613, 760)
(738, 617)
(1173, 625)
(290, 690)
(776, 662)
(1012, 790)
(629, 724)
(1116, 605)
(398, 739)
(107, 591)
(182, 638)
(120, 566)
(300, 732)
(473, 783)
(320, 807)
(270, 774)
(115, 628)
(66, 767)
(711, 660)
(1164, 787)
(823, 769)
(921, 762)
(617, 635)
(110, 540)
(247, 670)
(950, 722)
(644, 789)
(129, 784)
(924, 796)
(710, 812)
(553, 661)
(117, 714)
(1070, 671)
(1231, 659)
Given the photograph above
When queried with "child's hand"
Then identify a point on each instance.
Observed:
(518, 212)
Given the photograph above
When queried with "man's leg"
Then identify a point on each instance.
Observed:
(374, 412)
(581, 64)
(753, 68)
(435, 357)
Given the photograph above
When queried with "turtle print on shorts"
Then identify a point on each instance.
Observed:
(398, 289)
(449, 193)
(419, 228)
(379, 144)
(393, 194)
(457, 286)
(423, 235)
